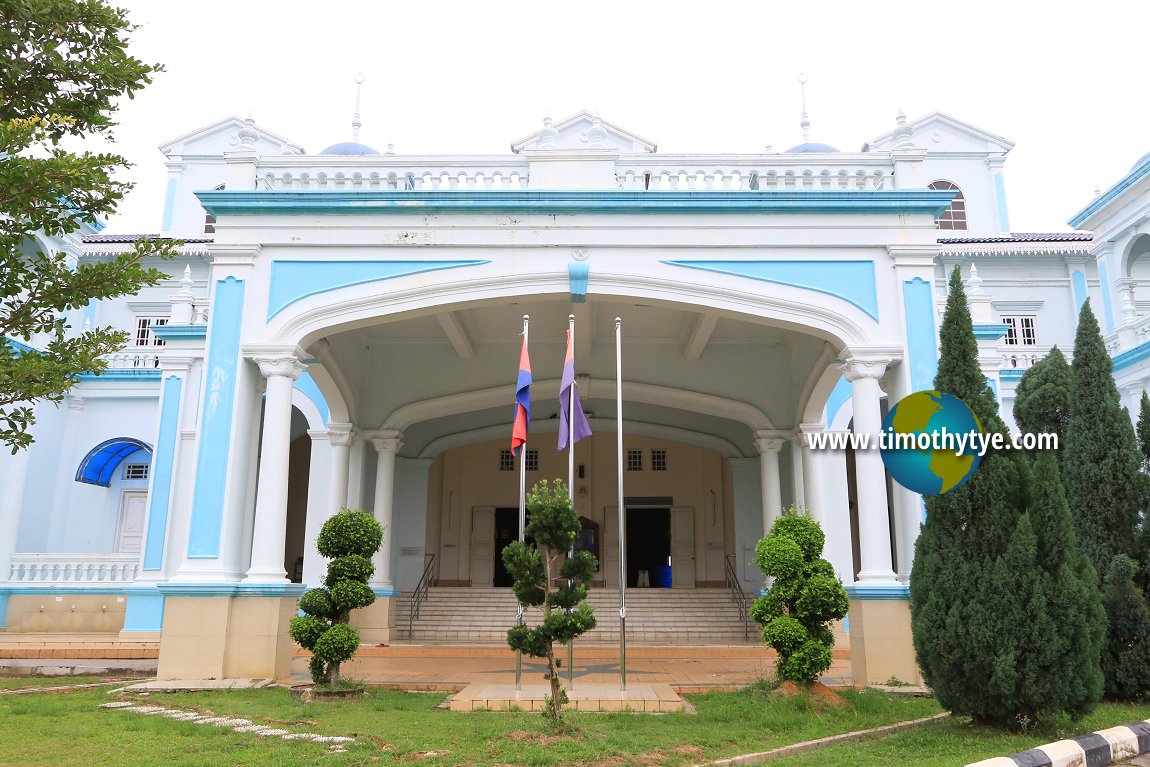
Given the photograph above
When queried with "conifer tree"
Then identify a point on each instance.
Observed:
(1143, 431)
(986, 573)
(1100, 457)
(1126, 654)
(1042, 399)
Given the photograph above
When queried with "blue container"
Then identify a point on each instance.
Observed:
(660, 577)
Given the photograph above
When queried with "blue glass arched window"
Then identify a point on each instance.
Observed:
(102, 460)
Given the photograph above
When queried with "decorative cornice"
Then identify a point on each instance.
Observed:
(180, 332)
(990, 331)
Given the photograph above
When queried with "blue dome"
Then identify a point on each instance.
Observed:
(349, 147)
(811, 148)
(1141, 160)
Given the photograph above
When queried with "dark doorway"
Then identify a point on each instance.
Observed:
(506, 531)
(649, 547)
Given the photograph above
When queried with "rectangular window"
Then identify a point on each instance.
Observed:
(658, 460)
(1021, 331)
(506, 461)
(634, 460)
(135, 471)
(532, 460)
(144, 336)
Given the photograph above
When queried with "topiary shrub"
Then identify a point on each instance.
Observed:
(553, 526)
(349, 539)
(805, 597)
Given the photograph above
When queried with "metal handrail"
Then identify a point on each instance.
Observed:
(420, 593)
(737, 593)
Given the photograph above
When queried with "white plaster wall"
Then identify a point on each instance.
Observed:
(408, 535)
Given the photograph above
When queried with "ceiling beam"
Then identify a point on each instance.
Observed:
(699, 336)
(455, 333)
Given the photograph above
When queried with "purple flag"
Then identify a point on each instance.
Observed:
(579, 428)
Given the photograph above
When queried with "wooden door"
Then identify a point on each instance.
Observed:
(682, 547)
(130, 529)
(482, 545)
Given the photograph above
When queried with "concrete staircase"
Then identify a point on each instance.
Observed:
(654, 617)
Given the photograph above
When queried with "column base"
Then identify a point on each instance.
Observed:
(376, 622)
(227, 632)
(881, 643)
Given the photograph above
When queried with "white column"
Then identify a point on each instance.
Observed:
(340, 436)
(11, 509)
(270, 530)
(1126, 291)
(864, 373)
(387, 444)
(797, 462)
(769, 444)
(811, 471)
(70, 458)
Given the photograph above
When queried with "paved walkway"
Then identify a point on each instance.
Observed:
(687, 669)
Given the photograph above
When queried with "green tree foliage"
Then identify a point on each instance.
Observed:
(1126, 654)
(348, 539)
(993, 558)
(803, 600)
(553, 526)
(1143, 431)
(1042, 399)
(65, 64)
(1101, 457)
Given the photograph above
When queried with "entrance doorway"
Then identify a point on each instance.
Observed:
(649, 547)
(506, 531)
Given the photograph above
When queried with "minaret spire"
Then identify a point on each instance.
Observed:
(806, 121)
(355, 121)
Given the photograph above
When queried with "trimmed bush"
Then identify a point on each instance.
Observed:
(349, 538)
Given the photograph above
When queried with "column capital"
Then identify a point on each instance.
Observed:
(769, 441)
(176, 364)
(285, 366)
(233, 254)
(75, 402)
(318, 435)
(859, 368)
(805, 431)
(340, 434)
(905, 256)
(386, 440)
(1101, 249)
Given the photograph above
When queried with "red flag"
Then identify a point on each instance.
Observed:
(522, 402)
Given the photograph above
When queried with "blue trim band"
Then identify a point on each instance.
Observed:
(161, 490)
(3, 610)
(208, 498)
(392, 592)
(990, 331)
(1104, 278)
(293, 281)
(1078, 279)
(852, 281)
(53, 589)
(179, 332)
(839, 395)
(860, 592)
(231, 589)
(1130, 356)
(578, 275)
(1101, 201)
(926, 202)
(1011, 374)
(124, 374)
(306, 386)
(921, 339)
(19, 347)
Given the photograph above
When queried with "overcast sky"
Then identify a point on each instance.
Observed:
(1067, 82)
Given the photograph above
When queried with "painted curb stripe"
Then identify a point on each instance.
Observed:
(1142, 730)
(1035, 757)
(1097, 749)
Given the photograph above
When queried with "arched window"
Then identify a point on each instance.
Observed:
(953, 217)
(102, 460)
(209, 219)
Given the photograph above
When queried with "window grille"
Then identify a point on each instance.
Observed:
(532, 459)
(634, 460)
(506, 461)
(144, 335)
(953, 217)
(658, 460)
(135, 471)
(1020, 331)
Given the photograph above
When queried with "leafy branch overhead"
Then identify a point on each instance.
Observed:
(66, 64)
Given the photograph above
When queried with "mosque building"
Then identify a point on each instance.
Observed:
(342, 329)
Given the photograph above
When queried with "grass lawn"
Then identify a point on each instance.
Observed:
(955, 741)
(19, 682)
(397, 727)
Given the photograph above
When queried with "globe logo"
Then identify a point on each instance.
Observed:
(925, 444)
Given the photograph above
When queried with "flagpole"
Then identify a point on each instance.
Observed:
(522, 524)
(571, 482)
(622, 509)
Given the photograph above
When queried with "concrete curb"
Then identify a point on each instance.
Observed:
(811, 745)
(1096, 749)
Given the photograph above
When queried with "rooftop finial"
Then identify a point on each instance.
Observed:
(806, 121)
(355, 122)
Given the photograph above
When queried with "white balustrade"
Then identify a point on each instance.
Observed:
(129, 360)
(387, 172)
(45, 569)
(771, 172)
